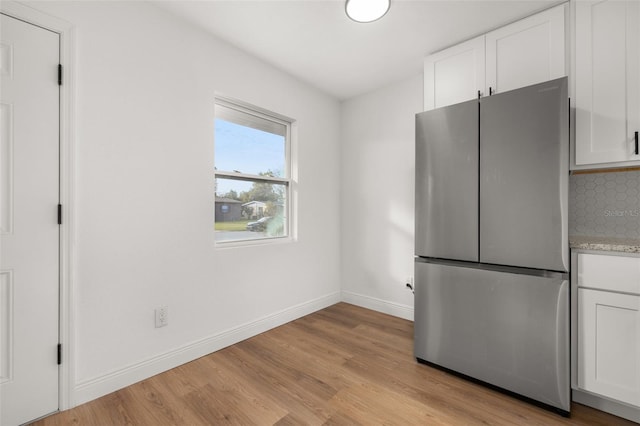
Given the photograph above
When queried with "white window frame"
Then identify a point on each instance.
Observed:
(286, 180)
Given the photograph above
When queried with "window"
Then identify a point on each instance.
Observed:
(252, 173)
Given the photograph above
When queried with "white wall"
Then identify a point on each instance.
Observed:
(377, 206)
(144, 197)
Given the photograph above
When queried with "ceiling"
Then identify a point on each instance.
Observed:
(314, 41)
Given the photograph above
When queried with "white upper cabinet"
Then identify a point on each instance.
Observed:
(607, 78)
(454, 75)
(526, 52)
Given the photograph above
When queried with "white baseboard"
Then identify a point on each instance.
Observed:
(91, 389)
(380, 305)
(601, 403)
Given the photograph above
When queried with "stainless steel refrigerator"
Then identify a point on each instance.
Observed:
(492, 255)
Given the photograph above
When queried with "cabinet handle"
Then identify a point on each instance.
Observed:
(636, 136)
(490, 91)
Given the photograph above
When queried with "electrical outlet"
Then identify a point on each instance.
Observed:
(162, 316)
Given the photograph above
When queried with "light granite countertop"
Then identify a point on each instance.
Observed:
(624, 245)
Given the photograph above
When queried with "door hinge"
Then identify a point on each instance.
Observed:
(59, 353)
(59, 74)
(59, 214)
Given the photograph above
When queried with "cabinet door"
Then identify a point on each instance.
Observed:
(526, 52)
(609, 344)
(607, 81)
(454, 75)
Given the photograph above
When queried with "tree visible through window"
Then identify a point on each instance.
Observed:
(252, 173)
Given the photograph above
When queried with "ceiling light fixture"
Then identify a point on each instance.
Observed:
(366, 10)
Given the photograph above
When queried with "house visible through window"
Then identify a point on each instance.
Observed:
(252, 173)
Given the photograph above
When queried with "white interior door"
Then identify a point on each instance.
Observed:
(29, 194)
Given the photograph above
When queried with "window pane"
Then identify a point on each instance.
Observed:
(249, 144)
(249, 210)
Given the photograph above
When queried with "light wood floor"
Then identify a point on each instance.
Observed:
(343, 365)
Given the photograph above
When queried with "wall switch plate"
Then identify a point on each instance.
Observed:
(162, 316)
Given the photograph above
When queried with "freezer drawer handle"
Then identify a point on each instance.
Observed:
(636, 136)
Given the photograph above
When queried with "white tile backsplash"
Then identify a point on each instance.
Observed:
(605, 204)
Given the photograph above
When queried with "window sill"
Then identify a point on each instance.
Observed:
(256, 242)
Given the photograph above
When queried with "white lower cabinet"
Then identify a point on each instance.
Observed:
(609, 344)
(606, 332)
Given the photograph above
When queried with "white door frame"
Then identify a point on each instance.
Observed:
(67, 189)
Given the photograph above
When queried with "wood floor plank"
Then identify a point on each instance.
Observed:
(269, 382)
(343, 365)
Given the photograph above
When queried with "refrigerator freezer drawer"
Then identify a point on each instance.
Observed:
(503, 328)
